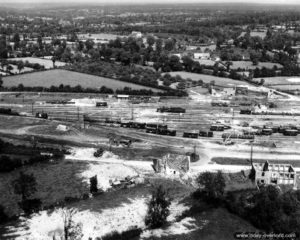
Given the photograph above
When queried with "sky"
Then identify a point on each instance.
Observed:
(3, 2)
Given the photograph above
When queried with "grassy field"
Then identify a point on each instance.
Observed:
(249, 65)
(59, 76)
(255, 34)
(47, 63)
(280, 80)
(55, 182)
(226, 82)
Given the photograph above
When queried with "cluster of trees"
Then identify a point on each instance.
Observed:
(32, 155)
(8, 164)
(268, 208)
(102, 90)
(22, 64)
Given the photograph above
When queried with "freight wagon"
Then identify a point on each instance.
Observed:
(190, 135)
(290, 132)
(101, 104)
(206, 134)
(246, 111)
(41, 115)
(153, 128)
(171, 109)
(217, 127)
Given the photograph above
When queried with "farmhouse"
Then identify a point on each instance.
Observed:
(275, 174)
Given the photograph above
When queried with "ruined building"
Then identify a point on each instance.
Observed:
(172, 164)
(282, 174)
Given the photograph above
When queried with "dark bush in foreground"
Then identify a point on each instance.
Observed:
(130, 234)
(30, 205)
(3, 216)
(158, 208)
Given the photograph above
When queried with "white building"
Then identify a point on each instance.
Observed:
(202, 56)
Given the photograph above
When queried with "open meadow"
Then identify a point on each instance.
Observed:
(58, 76)
(224, 82)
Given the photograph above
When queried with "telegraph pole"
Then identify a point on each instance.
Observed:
(251, 154)
(132, 114)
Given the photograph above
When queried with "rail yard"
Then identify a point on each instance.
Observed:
(213, 130)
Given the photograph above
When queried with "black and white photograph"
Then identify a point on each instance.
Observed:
(149, 119)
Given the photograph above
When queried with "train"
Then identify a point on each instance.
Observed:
(206, 133)
(246, 111)
(8, 111)
(220, 104)
(41, 115)
(171, 109)
(190, 135)
(159, 129)
(133, 125)
(101, 104)
(217, 127)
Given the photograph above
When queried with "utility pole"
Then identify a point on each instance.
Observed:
(78, 114)
(32, 108)
(251, 154)
(132, 114)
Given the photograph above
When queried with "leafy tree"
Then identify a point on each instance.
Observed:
(150, 40)
(3, 216)
(9, 68)
(212, 185)
(89, 44)
(25, 185)
(169, 44)
(158, 208)
(20, 66)
(72, 230)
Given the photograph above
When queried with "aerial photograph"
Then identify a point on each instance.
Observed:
(149, 119)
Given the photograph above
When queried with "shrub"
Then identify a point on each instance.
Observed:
(132, 233)
(30, 206)
(93, 185)
(3, 216)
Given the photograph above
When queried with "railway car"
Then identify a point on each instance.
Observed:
(206, 134)
(267, 131)
(5, 111)
(246, 111)
(290, 132)
(166, 132)
(125, 124)
(190, 135)
(171, 109)
(217, 127)
(41, 115)
(137, 125)
(154, 128)
(101, 104)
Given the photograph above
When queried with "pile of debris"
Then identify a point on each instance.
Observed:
(128, 182)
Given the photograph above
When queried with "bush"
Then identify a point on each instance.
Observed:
(158, 208)
(3, 216)
(30, 206)
(131, 234)
(93, 185)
